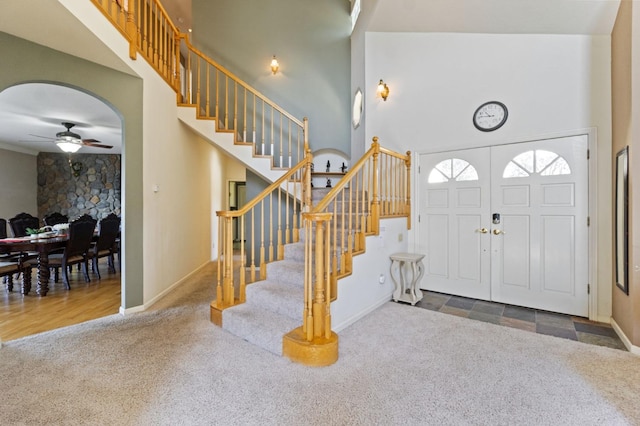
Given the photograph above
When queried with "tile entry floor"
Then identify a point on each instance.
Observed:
(559, 325)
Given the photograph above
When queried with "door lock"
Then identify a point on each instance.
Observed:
(498, 232)
(482, 230)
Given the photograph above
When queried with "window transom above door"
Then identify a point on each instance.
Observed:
(539, 161)
(452, 169)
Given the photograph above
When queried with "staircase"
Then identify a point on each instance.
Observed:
(274, 306)
(295, 243)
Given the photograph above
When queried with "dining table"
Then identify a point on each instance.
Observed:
(40, 245)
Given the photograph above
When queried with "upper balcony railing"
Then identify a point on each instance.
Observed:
(201, 82)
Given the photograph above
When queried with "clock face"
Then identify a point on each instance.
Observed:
(490, 116)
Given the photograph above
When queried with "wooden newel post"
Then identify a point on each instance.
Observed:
(131, 29)
(306, 182)
(407, 161)
(228, 290)
(375, 205)
(316, 292)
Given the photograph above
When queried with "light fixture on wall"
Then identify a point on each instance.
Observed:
(383, 90)
(275, 66)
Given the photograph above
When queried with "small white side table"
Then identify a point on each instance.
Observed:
(407, 291)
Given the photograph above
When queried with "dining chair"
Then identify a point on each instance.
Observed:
(3, 228)
(109, 228)
(9, 269)
(54, 219)
(21, 222)
(75, 251)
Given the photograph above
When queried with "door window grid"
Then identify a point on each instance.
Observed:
(542, 162)
(452, 168)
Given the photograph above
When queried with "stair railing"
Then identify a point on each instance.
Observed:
(218, 93)
(201, 82)
(264, 225)
(377, 186)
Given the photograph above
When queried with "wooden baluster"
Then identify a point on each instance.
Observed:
(271, 227)
(219, 263)
(235, 110)
(243, 294)
(280, 245)
(253, 247)
(272, 153)
(375, 208)
(262, 152)
(287, 196)
(255, 107)
(408, 189)
(198, 87)
(132, 31)
(330, 282)
(307, 315)
(207, 106)
(244, 118)
(281, 146)
(226, 103)
(263, 263)
(350, 234)
(343, 241)
(217, 101)
(290, 156)
(228, 291)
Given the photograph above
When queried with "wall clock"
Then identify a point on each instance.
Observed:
(490, 116)
(358, 107)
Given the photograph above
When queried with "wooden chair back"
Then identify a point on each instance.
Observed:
(21, 222)
(55, 218)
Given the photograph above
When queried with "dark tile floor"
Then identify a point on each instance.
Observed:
(565, 326)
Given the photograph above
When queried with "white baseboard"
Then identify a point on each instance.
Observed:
(346, 323)
(168, 290)
(627, 343)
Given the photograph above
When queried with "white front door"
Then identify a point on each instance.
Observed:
(454, 222)
(508, 224)
(539, 248)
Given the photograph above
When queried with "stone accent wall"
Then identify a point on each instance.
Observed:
(91, 186)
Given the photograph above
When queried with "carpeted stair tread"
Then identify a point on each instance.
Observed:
(294, 252)
(286, 271)
(285, 299)
(259, 326)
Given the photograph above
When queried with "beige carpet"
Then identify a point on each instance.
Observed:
(398, 366)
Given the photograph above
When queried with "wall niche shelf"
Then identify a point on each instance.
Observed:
(320, 177)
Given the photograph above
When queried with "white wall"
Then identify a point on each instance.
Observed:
(552, 85)
(361, 293)
(182, 175)
(18, 184)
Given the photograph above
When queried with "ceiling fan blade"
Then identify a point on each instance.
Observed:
(95, 144)
(43, 137)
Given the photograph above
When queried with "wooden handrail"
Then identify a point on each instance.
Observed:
(268, 190)
(239, 80)
(211, 87)
(376, 186)
(291, 200)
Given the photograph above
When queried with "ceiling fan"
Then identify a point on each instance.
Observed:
(71, 142)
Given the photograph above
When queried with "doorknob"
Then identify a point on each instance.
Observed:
(482, 230)
(498, 232)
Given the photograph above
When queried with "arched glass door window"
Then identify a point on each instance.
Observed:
(452, 169)
(544, 163)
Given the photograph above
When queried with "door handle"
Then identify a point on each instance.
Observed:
(498, 232)
(482, 230)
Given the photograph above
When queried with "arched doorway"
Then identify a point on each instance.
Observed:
(88, 181)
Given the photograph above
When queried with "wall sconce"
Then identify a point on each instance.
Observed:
(274, 65)
(383, 90)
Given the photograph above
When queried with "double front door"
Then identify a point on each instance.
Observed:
(508, 224)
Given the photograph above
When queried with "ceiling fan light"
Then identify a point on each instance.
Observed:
(67, 146)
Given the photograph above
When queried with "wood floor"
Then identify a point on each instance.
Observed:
(25, 315)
